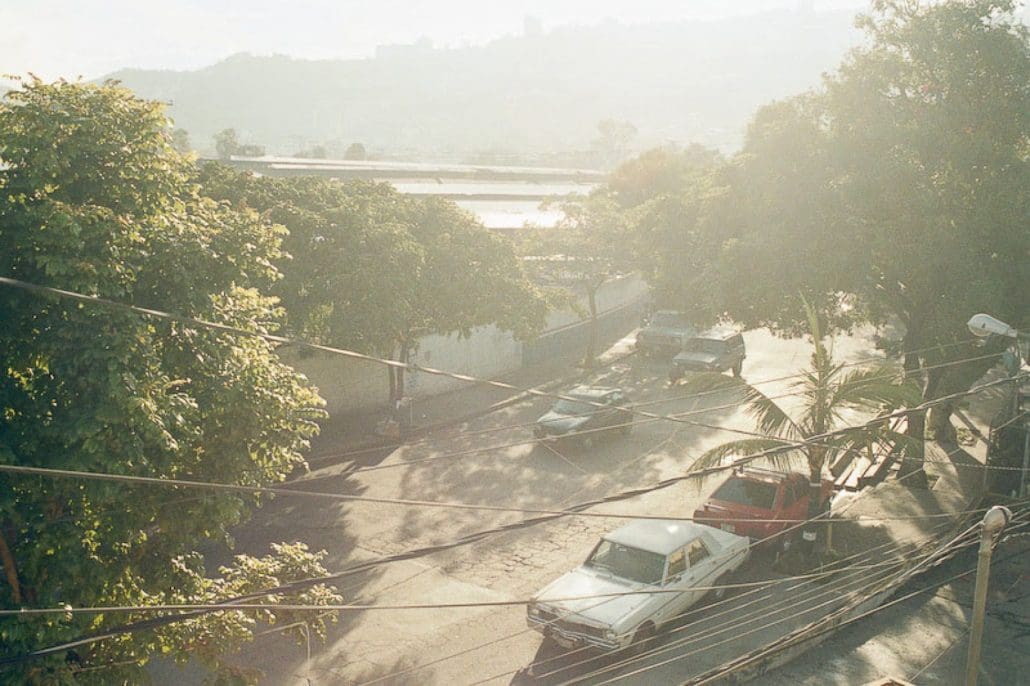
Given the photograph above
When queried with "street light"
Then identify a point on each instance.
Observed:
(993, 522)
(984, 325)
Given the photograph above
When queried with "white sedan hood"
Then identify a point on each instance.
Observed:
(586, 582)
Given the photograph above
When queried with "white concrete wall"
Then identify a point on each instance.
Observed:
(350, 385)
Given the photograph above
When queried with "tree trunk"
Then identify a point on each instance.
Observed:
(405, 353)
(812, 534)
(940, 422)
(391, 373)
(588, 359)
(940, 415)
(10, 570)
(912, 462)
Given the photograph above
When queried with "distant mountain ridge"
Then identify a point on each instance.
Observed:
(696, 81)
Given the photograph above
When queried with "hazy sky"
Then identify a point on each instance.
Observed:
(68, 38)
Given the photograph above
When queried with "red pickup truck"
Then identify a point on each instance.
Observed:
(759, 494)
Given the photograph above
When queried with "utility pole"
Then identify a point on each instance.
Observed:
(993, 522)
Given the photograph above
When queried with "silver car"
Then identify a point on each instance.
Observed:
(636, 579)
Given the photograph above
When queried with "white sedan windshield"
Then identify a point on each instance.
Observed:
(630, 563)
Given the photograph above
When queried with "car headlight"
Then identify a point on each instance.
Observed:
(610, 635)
(533, 610)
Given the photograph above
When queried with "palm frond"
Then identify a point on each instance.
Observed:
(771, 418)
(903, 443)
(742, 448)
(860, 438)
(876, 387)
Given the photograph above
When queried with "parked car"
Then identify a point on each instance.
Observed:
(682, 557)
(711, 352)
(759, 494)
(665, 333)
(580, 417)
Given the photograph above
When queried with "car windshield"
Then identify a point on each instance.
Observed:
(627, 562)
(704, 345)
(572, 407)
(747, 492)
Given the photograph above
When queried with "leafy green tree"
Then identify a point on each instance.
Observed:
(355, 151)
(227, 144)
(828, 390)
(660, 172)
(897, 194)
(663, 194)
(588, 247)
(374, 270)
(931, 124)
(94, 199)
(181, 141)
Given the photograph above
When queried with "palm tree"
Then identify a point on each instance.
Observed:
(827, 388)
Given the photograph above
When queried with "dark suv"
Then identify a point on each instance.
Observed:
(579, 417)
(664, 333)
(712, 352)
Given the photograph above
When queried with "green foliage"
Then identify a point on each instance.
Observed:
(227, 144)
(588, 247)
(355, 151)
(897, 194)
(181, 141)
(827, 391)
(660, 172)
(374, 270)
(93, 198)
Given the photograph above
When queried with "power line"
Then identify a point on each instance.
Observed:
(937, 555)
(273, 338)
(874, 584)
(788, 446)
(437, 606)
(945, 552)
(409, 554)
(879, 608)
(765, 540)
(37, 289)
(350, 607)
(271, 490)
(154, 623)
(705, 610)
(340, 455)
(283, 340)
(582, 433)
(736, 621)
(788, 598)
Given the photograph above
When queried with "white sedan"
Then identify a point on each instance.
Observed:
(637, 578)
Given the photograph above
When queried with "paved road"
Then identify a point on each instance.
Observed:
(490, 461)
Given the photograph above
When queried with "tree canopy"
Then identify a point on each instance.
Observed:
(94, 199)
(896, 194)
(375, 270)
(227, 144)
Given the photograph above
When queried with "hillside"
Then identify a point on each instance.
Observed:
(690, 81)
